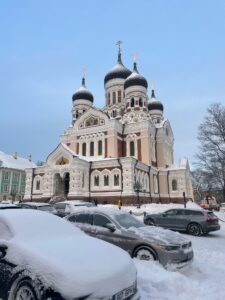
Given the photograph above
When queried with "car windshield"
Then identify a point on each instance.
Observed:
(128, 221)
(46, 208)
(84, 204)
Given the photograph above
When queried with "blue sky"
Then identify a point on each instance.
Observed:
(44, 45)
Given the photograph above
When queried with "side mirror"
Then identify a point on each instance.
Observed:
(3, 250)
(164, 214)
(111, 227)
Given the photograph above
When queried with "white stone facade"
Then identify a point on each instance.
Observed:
(105, 152)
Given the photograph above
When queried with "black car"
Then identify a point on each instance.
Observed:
(193, 221)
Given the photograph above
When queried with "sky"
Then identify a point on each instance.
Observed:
(180, 45)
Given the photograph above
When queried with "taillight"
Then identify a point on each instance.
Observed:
(209, 219)
(202, 205)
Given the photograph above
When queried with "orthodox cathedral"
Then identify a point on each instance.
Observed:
(122, 151)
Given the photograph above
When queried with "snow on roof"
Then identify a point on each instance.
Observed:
(84, 157)
(9, 161)
(63, 256)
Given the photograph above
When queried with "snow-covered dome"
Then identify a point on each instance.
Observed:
(83, 93)
(118, 71)
(154, 103)
(135, 79)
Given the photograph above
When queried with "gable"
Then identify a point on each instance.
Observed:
(91, 118)
(61, 155)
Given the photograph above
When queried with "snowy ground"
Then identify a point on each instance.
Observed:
(204, 279)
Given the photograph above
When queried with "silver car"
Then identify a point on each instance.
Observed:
(171, 249)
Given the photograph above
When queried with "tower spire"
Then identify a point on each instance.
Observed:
(83, 77)
(119, 51)
(135, 62)
(153, 89)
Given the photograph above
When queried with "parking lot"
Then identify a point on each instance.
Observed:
(202, 280)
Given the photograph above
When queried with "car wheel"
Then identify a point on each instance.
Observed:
(24, 289)
(150, 222)
(144, 253)
(194, 229)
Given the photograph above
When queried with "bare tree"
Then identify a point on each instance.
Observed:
(211, 155)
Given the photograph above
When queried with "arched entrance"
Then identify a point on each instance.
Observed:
(66, 184)
(58, 185)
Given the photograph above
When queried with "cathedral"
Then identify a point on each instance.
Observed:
(122, 151)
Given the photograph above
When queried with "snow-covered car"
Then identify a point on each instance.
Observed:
(210, 204)
(44, 257)
(69, 206)
(170, 248)
(39, 206)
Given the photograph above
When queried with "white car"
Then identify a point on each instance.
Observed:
(45, 257)
(69, 206)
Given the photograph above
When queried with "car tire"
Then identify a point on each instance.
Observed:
(25, 288)
(150, 222)
(144, 253)
(194, 229)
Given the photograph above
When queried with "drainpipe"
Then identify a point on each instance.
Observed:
(89, 186)
(158, 187)
(32, 183)
(121, 168)
(150, 194)
(168, 185)
(156, 155)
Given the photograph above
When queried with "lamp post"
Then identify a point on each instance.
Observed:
(137, 189)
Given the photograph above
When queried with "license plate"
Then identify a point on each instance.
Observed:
(125, 293)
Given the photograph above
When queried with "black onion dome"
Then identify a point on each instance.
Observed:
(82, 93)
(135, 79)
(118, 71)
(154, 103)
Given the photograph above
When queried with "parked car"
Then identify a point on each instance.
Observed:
(210, 204)
(8, 206)
(44, 257)
(38, 205)
(139, 240)
(66, 207)
(193, 221)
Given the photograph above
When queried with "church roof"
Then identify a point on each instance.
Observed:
(135, 79)
(83, 93)
(118, 71)
(15, 162)
(154, 103)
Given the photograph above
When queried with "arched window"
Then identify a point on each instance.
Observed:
(132, 102)
(84, 149)
(114, 113)
(83, 178)
(77, 114)
(119, 96)
(114, 97)
(96, 181)
(92, 149)
(106, 180)
(132, 150)
(99, 147)
(108, 98)
(116, 180)
(140, 102)
(38, 185)
(174, 185)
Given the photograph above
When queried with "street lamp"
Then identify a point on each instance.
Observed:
(138, 189)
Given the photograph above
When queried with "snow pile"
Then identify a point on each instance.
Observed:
(8, 161)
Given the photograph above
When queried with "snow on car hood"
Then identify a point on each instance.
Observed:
(76, 268)
(71, 262)
(160, 235)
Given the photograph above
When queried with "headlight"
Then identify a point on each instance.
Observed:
(169, 247)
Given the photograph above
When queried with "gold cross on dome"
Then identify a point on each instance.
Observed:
(119, 44)
(83, 72)
(135, 56)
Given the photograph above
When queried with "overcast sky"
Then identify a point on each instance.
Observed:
(44, 45)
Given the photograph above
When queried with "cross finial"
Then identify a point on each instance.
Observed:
(83, 72)
(135, 56)
(119, 46)
(152, 85)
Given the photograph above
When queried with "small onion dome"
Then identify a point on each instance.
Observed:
(118, 71)
(154, 104)
(135, 79)
(82, 93)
